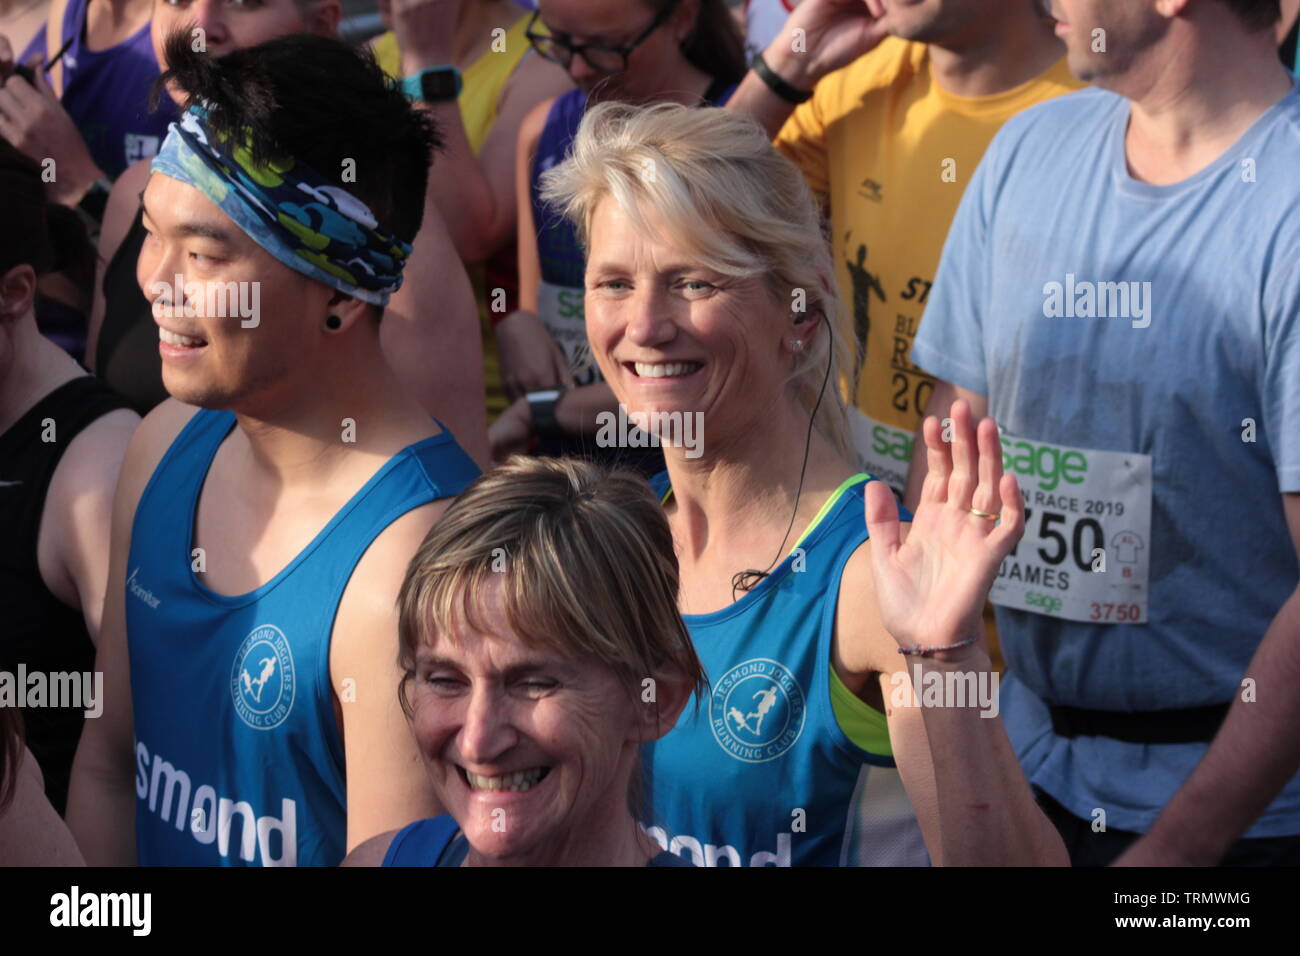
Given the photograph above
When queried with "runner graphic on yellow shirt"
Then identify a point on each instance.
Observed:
(864, 283)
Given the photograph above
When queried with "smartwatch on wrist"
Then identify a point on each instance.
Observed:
(436, 84)
(541, 405)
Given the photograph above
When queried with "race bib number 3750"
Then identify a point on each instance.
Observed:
(1086, 550)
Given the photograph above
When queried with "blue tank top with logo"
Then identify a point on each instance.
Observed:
(238, 756)
(761, 772)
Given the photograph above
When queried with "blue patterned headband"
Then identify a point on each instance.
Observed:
(289, 210)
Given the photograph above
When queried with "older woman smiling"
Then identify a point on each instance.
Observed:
(543, 648)
(710, 293)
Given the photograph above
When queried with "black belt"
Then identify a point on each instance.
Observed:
(1187, 726)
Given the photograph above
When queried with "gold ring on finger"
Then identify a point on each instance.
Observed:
(982, 514)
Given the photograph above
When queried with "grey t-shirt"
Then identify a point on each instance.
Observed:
(1159, 323)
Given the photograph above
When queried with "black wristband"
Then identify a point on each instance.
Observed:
(777, 85)
(92, 204)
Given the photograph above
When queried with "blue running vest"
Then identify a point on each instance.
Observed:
(238, 755)
(760, 773)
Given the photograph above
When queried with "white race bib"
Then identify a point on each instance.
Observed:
(883, 450)
(561, 310)
(1086, 552)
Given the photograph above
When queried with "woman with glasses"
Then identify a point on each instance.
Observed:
(639, 51)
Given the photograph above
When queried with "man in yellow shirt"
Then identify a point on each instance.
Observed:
(907, 97)
(908, 94)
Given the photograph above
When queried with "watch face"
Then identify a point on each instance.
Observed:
(438, 85)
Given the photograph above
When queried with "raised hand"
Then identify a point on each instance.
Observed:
(835, 33)
(426, 32)
(34, 121)
(529, 356)
(931, 588)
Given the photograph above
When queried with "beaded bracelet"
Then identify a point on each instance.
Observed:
(923, 650)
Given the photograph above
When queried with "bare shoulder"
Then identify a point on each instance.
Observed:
(134, 177)
(78, 513)
(116, 450)
(123, 201)
(394, 547)
(378, 575)
(530, 130)
(151, 439)
(367, 616)
(862, 643)
(857, 617)
(371, 852)
(161, 426)
(95, 455)
(31, 833)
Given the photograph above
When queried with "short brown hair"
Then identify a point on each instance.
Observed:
(586, 560)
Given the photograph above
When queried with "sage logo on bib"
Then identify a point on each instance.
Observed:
(757, 711)
(262, 680)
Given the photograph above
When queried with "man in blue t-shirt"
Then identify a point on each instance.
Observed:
(1121, 291)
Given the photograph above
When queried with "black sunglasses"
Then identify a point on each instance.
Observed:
(603, 59)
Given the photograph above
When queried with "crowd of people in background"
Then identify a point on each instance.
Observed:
(951, 518)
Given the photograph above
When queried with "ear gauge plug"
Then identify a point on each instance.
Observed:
(333, 323)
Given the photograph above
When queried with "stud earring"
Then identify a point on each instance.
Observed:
(333, 323)
(796, 345)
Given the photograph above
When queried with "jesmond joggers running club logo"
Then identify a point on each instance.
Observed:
(757, 710)
(262, 680)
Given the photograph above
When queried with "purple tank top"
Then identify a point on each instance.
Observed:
(106, 92)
